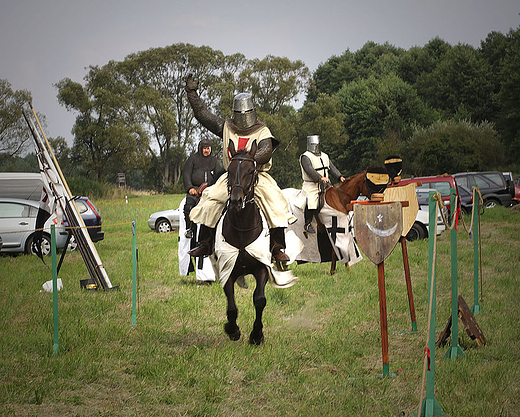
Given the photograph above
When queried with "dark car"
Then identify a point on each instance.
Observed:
(466, 201)
(92, 219)
(493, 187)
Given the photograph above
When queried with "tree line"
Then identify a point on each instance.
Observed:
(443, 108)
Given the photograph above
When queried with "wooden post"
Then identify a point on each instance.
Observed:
(383, 317)
(408, 283)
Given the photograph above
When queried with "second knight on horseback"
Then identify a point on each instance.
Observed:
(317, 169)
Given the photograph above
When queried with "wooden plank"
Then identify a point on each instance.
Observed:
(470, 323)
(404, 193)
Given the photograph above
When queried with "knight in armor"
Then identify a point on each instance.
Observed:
(242, 129)
(317, 169)
(200, 170)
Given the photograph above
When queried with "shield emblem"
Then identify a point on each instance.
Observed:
(404, 193)
(378, 228)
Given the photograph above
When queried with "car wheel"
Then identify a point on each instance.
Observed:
(417, 232)
(491, 203)
(46, 246)
(163, 226)
(73, 245)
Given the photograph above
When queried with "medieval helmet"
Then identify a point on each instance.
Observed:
(244, 114)
(313, 144)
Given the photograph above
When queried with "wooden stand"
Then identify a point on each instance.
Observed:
(470, 324)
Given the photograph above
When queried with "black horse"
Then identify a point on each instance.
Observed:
(242, 225)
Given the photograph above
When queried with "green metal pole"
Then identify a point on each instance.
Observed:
(56, 347)
(476, 306)
(134, 270)
(455, 351)
(430, 405)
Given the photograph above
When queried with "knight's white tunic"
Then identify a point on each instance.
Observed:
(311, 189)
(268, 195)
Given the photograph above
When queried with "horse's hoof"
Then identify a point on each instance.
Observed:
(256, 341)
(233, 334)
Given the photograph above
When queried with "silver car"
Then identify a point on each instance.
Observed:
(164, 221)
(17, 226)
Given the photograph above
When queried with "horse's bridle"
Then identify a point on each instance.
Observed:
(248, 191)
(236, 184)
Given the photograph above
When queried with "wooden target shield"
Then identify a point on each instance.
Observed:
(378, 228)
(404, 193)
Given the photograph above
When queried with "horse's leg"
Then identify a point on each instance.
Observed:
(231, 327)
(333, 263)
(257, 336)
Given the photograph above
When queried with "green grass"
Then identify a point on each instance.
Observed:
(322, 352)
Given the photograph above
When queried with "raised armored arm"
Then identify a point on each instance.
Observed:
(210, 121)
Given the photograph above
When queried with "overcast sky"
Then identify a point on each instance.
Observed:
(44, 41)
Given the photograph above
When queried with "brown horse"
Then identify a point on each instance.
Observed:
(351, 189)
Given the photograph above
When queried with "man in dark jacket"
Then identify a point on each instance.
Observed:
(201, 168)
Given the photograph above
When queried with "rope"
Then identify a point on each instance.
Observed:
(476, 190)
(66, 228)
(440, 203)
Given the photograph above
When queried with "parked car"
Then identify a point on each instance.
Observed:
(516, 185)
(421, 227)
(441, 183)
(92, 219)
(466, 201)
(17, 215)
(164, 221)
(492, 185)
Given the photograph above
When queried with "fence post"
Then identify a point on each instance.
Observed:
(56, 347)
(430, 407)
(134, 273)
(475, 309)
(455, 350)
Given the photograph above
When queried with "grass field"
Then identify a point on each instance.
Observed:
(322, 351)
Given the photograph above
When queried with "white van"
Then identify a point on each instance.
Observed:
(23, 185)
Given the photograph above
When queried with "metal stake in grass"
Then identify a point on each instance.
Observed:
(56, 347)
(475, 309)
(429, 405)
(134, 273)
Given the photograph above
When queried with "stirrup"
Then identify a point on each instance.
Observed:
(188, 234)
(308, 228)
(201, 250)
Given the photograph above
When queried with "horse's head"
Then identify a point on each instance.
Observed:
(242, 176)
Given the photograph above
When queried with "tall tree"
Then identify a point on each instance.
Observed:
(273, 81)
(375, 109)
(14, 132)
(509, 97)
(157, 78)
(107, 137)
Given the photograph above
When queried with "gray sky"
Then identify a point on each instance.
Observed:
(44, 41)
